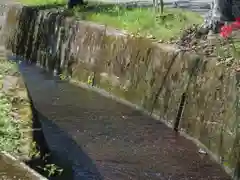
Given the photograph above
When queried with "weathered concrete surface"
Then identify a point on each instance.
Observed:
(211, 111)
(11, 169)
(104, 139)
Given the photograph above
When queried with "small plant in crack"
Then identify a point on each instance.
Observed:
(34, 152)
(90, 80)
(52, 169)
(63, 77)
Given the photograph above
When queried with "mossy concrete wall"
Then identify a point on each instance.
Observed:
(196, 95)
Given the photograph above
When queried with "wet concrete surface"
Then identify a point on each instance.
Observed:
(103, 139)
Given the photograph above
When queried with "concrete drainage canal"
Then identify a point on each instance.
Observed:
(81, 134)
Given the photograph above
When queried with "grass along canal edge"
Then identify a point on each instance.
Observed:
(15, 112)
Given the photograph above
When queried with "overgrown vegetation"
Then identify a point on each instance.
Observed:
(9, 128)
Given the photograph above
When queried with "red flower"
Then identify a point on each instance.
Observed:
(238, 19)
(226, 31)
(236, 25)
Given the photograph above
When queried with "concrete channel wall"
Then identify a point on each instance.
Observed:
(192, 94)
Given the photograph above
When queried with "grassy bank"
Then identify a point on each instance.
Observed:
(141, 21)
(9, 128)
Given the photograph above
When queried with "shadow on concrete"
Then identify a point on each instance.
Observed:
(45, 157)
(82, 165)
